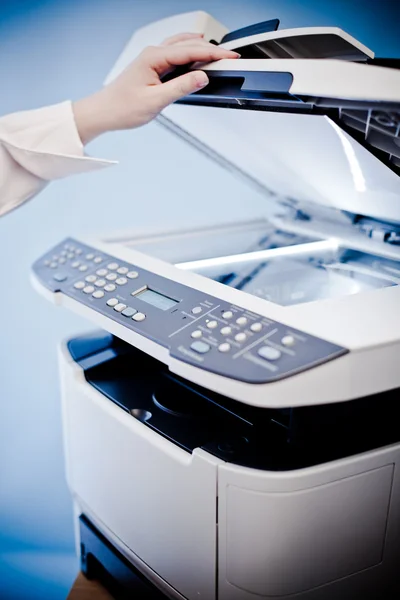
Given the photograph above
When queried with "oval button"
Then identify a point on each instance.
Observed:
(269, 353)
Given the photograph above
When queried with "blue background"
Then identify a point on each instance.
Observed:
(56, 50)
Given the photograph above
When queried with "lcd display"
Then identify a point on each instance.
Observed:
(156, 299)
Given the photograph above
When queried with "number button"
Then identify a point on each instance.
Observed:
(110, 287)
(241, 321)
(228, 314)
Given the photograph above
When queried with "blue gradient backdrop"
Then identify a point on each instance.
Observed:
(50, 51)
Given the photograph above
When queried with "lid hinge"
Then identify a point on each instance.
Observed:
(379, 231)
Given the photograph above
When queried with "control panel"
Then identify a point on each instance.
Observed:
(195, 327)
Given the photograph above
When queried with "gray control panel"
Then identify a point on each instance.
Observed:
(196, 328)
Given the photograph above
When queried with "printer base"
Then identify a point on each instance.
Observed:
(102, 561)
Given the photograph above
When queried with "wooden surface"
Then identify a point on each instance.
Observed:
(86, 589)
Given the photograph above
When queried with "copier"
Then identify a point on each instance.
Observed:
(231, 429)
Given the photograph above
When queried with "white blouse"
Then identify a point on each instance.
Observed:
(37, 146)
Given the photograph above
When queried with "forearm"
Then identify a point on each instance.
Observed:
(92, 116)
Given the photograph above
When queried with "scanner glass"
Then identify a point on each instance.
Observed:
(275, 265)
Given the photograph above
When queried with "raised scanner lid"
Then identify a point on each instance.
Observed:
(342, 149)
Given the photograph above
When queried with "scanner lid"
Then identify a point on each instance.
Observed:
(312, 131)
(308, 115)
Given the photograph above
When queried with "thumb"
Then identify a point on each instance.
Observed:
(181, 86)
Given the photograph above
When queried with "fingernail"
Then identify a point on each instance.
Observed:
(236, 54)
(201, 80)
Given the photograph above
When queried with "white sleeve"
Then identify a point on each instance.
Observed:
(37, 146)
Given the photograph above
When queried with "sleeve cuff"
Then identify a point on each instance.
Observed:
(46, 142)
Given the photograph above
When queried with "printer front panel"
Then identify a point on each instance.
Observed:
(157, 499)
(160, 463)
(322, 533)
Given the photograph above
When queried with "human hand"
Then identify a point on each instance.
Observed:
(137, 95)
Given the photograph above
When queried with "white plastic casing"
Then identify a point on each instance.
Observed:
(198, 527)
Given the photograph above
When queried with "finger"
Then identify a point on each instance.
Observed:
(180, 37)
(192, 42)
(179, 87)
(164, 58)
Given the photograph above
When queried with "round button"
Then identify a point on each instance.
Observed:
(91, 278)
(196, 334)
(288, 340)
(61, 260)
(75, 264)
(110, 287)
(269, 353)
(122, 270)
(97, 259)
(240, 337)
(225, 347)
(70, 255)
(228, 314)
(79, 285)
(197, 310)
(139, 317)
(90, 256)
(112, 302)
(78, 251)
(83, 268)
(226, 330)
(132, 274)
(89, 289)
(100, 283)
(121, 281)
(212, 324)
(53, 265)
(63, 253)
(113, 266)
(111, 276)
(101, 272)
(241, 321)
(256, 327)
(98, 294)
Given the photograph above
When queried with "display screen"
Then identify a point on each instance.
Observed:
(156, 299)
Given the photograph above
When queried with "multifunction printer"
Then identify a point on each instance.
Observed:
(231, 428)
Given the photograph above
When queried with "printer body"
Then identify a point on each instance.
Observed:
(229, 430)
